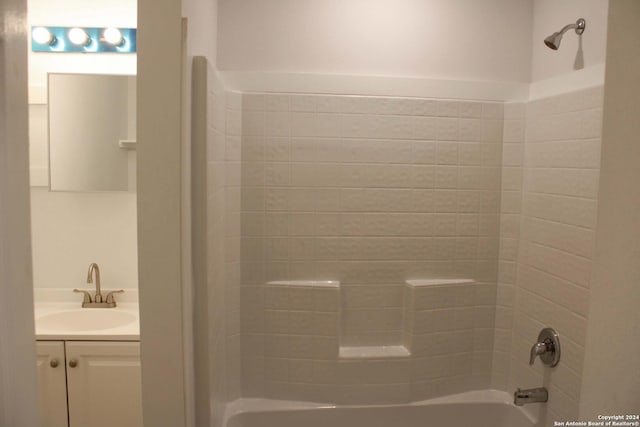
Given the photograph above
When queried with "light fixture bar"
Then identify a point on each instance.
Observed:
(83, 39)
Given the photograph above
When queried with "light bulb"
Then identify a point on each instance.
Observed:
(79, 37)
(113, 36)
(43, 36)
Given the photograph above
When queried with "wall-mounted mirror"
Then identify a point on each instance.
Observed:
(92, 128)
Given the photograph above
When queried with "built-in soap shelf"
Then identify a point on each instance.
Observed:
(431, 308)
(421, 297)
(127, 144)
(374, 352)
(306, 283)
(418, 283)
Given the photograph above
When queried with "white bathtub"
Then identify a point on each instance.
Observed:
(488, 408)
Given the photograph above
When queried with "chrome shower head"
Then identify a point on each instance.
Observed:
(553, 41)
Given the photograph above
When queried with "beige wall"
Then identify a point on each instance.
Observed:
(550, 16)
(462, 39)
(611, 383)
(72, 230)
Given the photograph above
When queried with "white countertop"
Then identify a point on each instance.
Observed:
(65, 301)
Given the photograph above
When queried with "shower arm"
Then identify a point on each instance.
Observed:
(579, 26)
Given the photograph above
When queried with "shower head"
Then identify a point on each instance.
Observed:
(553, 41)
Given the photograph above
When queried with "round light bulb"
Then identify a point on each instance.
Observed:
(79, 37)
(43, 36)
(113, 36)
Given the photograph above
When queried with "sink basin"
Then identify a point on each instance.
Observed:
(91, 319)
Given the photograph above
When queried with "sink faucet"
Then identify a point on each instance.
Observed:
(97, 301)
(93, 267)
(532, 395)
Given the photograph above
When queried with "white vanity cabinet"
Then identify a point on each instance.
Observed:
(52, 383)
(102, 384)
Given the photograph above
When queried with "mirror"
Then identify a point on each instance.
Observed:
(92, 129)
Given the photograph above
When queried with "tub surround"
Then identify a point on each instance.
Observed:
(370, 191)
(551, 168)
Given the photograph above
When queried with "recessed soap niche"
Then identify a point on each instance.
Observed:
(437, 317)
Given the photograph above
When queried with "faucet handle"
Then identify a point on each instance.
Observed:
(87, 296)
(538, 349)
(110, 299)
(547, 347)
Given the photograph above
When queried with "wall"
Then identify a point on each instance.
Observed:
(550, 16)
(549, 202)
(213, 155)
(299, 222)
(94, 227)
(579, 63)
(222, 246)
(18, 382)
(435, 39)
(202, 28)
(72, 230)
(547, 243)
(369, 191)
(515, 115)
(611, 382)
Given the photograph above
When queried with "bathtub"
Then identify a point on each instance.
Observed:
(487, 408)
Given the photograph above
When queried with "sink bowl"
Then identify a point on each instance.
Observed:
(91, 319)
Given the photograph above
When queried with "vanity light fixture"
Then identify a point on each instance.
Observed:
(83, 39)
(43, 36)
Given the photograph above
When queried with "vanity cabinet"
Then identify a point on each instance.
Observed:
(52, 383)
(95, 384)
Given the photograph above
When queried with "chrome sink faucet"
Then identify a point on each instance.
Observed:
(93, 268)
(97, 301)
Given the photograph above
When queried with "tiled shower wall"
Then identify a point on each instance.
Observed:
(223, 253)
(549, 202)
(369, 191)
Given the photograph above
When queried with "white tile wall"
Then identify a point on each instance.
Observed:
(369, 191)
(223, 248)
(373, 191)
(449, 331)
(551, 161)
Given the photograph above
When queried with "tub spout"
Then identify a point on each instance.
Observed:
(532, 395)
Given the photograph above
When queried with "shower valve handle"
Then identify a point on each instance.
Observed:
(539, 349)
(547, 347)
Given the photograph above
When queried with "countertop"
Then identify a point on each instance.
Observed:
(49, 303)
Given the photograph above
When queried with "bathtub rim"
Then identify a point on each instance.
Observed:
(250, 404)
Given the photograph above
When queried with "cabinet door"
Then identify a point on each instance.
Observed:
(104, 384)
(52, 383)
